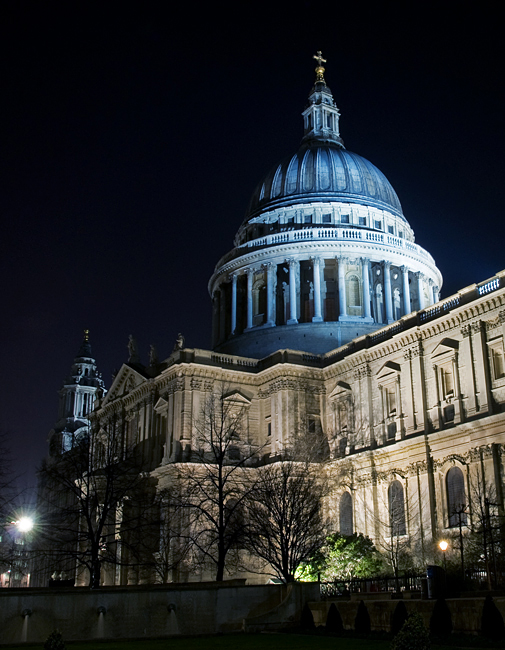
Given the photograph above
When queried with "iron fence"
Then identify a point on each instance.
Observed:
(371, 585)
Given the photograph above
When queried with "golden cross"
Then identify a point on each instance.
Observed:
(319, 58)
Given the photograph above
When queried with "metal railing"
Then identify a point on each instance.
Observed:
(371, 585)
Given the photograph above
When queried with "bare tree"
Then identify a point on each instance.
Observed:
(393, 515)
(13, 553)
(286, 525)
(94, 504)
(485, 543)
(285, 506)
(214, 485)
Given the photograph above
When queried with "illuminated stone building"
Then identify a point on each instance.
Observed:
(327, 317)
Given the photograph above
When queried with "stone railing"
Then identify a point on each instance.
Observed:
(337, 234)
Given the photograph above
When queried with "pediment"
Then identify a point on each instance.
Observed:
(237, 399)
(445, 346)
(342, 388)
(126, 380)
(160, 405)
(389, 369)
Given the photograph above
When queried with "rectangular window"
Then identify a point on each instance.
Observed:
(377, 224)
(344, 218)
(326, 218)
(391, 400)
(498, 364)
(290, 220)
(400, 234)
(269, 429)
(307, 218)
(392, 431)
(447, 382)
(391, 230)
(362, 221)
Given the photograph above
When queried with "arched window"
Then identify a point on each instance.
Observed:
(396, 509)
(346, 524)
(456, 500)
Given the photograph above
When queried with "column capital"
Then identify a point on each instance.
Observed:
(315, 259)
(387, 264)
(342, 259)
(291, 262)
(365, 261)
(233, 275)
(404, 269)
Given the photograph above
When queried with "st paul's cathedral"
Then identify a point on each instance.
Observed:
(327, 318)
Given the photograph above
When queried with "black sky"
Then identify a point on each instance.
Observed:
(133, 134)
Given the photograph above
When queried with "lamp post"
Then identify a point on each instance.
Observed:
(443, 545)
(21, 527)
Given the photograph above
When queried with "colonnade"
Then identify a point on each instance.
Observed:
(230, 303)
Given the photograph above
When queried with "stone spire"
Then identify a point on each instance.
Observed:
(77, 397)
(321, 115)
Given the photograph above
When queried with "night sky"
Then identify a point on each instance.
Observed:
(132, 136)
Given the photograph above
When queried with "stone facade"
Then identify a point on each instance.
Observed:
(403, 405)
(327, 320)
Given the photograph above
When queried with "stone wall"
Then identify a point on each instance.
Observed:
(135, 612)
(466, 612)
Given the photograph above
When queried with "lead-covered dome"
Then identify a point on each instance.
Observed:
(325, 254)
(322, 171)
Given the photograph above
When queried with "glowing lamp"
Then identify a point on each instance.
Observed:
(24, 524)
(444, 546)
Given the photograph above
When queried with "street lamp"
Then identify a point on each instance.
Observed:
(24, 524)
(443, 545)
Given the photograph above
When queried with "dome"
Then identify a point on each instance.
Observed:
(324, 255)
(324, 171)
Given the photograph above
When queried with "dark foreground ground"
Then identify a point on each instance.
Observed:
(260, 641)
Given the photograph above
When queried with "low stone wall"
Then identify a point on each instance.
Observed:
(30, 615)
(466, 612)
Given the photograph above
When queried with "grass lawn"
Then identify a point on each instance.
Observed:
(234, 641)
(230, 642)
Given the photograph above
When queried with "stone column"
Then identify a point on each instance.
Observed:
(293, 267)
(434, 290)
(233, 302)
(316, 267)
(420, 290)
(250, 276)
(270, 270)
(366, 288)
(406, 291)
(387, 292)
(342, 302)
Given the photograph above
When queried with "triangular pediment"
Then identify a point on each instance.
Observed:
(388, 369)
(160, 405)
(237, 399)
(445, 346)
(126, 380)
(340, 388)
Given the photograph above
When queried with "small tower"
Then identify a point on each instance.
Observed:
(77, 397)
(321, 115)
